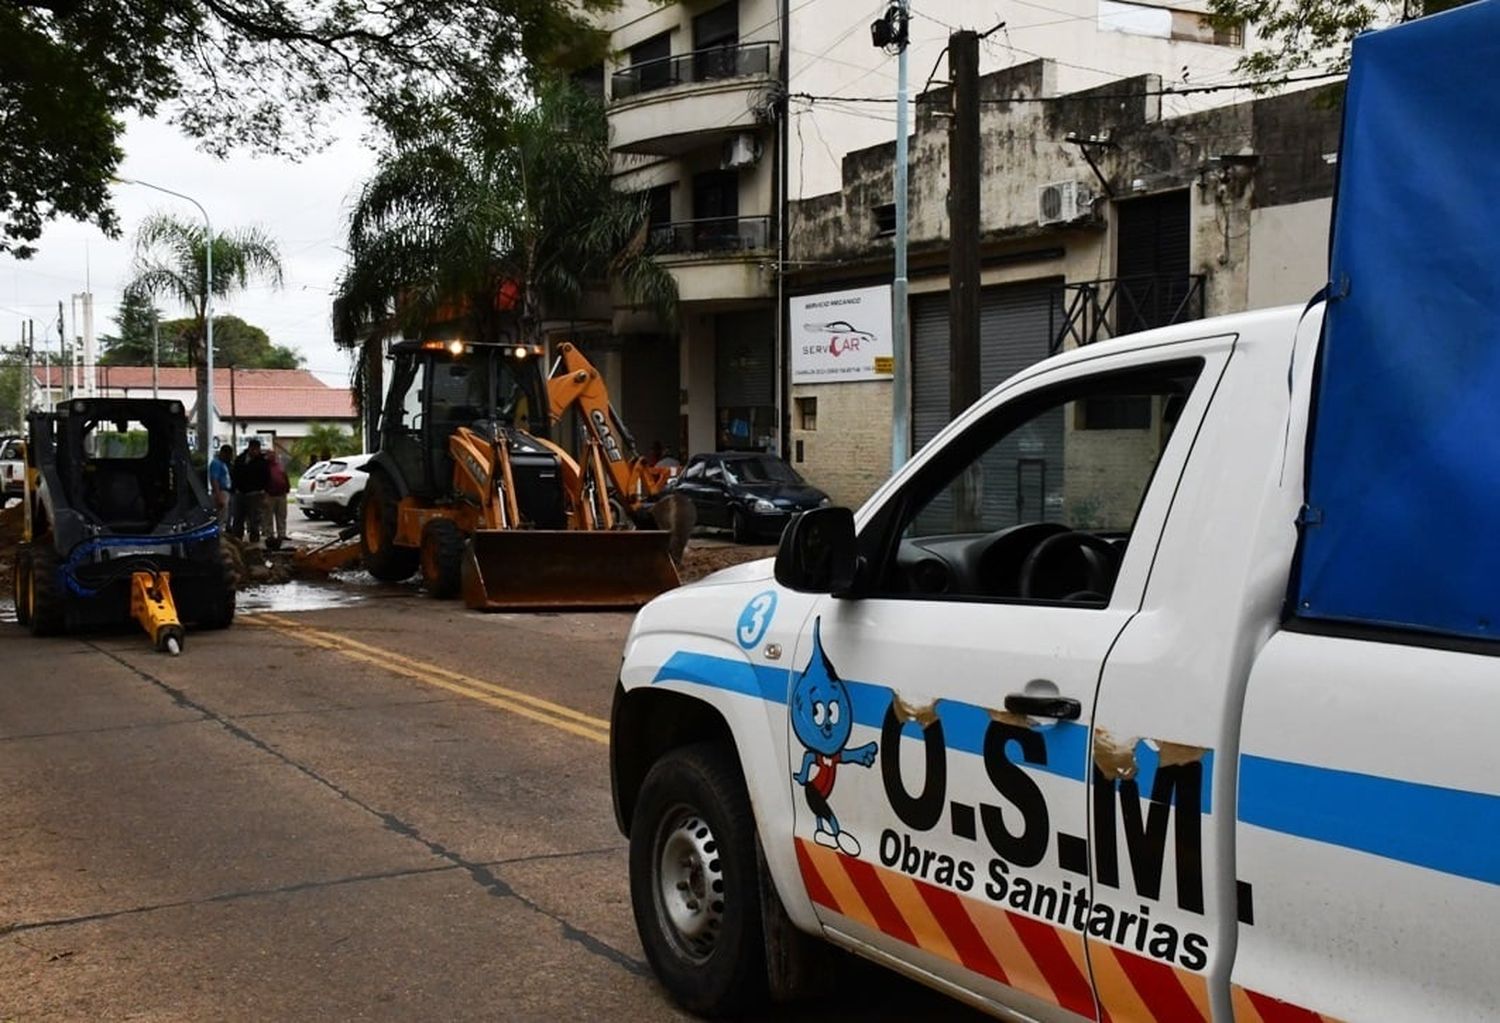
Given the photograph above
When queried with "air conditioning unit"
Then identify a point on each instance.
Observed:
(1063, 202)
(740, 151)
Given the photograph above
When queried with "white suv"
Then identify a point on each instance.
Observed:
(339, 488)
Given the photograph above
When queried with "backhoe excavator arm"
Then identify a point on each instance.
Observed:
(575, 383)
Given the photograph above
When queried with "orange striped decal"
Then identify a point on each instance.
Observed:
(1254, 1007)
(1019, 951)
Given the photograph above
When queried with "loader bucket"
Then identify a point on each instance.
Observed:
(526, 569)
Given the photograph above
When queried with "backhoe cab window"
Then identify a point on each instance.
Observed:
(464, 391)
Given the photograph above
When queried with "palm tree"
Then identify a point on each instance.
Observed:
(169, 261)
(478, 208)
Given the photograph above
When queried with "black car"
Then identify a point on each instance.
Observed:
(750, 493)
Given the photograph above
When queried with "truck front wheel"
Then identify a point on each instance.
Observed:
(694, 881)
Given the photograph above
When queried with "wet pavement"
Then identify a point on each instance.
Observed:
(356, 803)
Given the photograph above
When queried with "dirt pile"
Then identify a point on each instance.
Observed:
(703, 560)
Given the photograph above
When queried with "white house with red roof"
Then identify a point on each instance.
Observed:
(277, 405)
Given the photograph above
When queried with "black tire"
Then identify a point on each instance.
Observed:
(223, 588)
(48, 603)
(21, 585)
(743, 532)
(442, 558)
(377, 536)
(308, 513)
(694, 801)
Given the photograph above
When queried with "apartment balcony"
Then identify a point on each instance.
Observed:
(666, 107)
(1092, 311)
(716, 258)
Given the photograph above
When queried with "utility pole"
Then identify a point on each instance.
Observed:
(234, 422)
(62, 354)
(963, 260)
(30, 350)
(892, 31)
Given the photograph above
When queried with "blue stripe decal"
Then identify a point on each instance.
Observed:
(1449, 830)
(964, 724)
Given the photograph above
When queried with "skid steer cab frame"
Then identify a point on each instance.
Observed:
(119, 525)
(469, 488)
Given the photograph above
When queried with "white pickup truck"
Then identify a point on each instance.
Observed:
(1036, 728)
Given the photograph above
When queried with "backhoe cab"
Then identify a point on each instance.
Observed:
(468, 488)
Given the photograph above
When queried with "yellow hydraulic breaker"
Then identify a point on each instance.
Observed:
(151, 604)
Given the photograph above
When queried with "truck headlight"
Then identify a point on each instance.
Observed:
(764, 507)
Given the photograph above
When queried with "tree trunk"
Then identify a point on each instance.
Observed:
(197, 356)
(374, 398)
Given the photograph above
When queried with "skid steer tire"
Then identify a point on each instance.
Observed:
(21, 585)
(442, 558)
(48, 602)
(377, 536)
(223, 588)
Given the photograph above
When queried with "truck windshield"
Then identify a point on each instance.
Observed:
(487, 384)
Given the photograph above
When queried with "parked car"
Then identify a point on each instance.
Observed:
(340, 487)
(12, 467)
(753, 494)
(304, 492)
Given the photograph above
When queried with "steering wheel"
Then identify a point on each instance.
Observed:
(1071, 566)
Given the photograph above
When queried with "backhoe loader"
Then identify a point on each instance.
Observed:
(468, 488)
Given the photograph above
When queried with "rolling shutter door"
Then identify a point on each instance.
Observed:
(1022, 476)
(744, 359)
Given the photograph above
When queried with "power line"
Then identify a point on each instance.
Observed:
(1169, 90)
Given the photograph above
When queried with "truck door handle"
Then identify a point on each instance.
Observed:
(1064, 708)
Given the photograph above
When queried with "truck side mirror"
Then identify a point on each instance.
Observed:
(819, 552)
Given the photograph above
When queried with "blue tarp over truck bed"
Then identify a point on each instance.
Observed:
(1402, 526)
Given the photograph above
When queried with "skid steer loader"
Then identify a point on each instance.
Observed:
(468, 488)
(118, 524)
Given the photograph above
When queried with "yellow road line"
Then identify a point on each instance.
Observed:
(525, 705)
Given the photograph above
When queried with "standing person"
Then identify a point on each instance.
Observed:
(277, 487)
(250, 477)
(223, 487)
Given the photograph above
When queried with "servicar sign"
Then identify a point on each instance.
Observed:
(841, 336)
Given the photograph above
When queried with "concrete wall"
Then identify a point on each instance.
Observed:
(1288, 252)
(831, 55)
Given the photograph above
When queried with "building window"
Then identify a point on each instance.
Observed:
(807, 413)
(716, 34)
(885, 219)
(648, 61)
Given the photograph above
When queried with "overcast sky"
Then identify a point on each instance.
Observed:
(302, 205)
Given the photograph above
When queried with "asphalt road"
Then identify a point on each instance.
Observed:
(390, 808)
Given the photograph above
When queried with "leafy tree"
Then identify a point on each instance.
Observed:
(473, 212)
(12, 396)
(170, 260)
(1302, 34)
(132, 345)
(321, 437)
(236, 343)
(266, 74)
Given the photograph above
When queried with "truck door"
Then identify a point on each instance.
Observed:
(940, 718)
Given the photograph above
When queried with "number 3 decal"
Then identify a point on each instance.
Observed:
(756, 618)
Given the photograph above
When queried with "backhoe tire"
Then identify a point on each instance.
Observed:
(377, 536)
(48, 603)
(442, 558)
(695, 882)
(223, 588)
(21, 585)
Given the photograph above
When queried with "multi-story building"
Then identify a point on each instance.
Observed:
(761, 134)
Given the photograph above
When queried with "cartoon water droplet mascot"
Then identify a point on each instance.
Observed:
(822, 717)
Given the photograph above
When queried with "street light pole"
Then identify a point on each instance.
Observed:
(208, 311)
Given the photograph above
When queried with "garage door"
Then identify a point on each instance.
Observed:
(1022, 477)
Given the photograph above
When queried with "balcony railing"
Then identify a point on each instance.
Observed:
(708, 65)
(711, 234)
(1097, 310)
